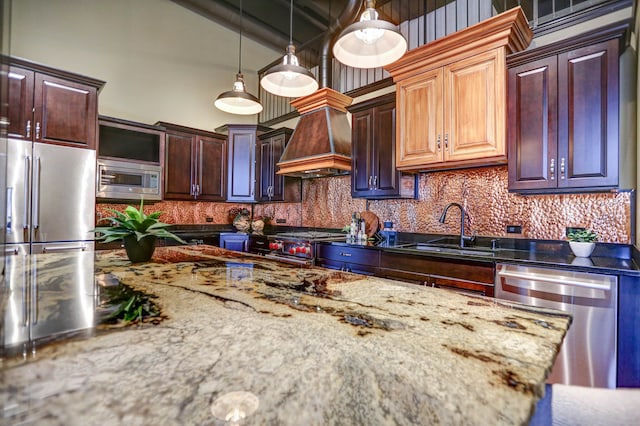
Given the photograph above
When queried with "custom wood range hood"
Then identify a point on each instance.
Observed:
(321, 142)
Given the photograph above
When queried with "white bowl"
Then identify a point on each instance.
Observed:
(581, 249)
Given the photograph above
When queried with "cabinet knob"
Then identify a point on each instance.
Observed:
(375, 181)
(438, 143)
(28, 129)
(552, 169)
(370, 180)
(38, 130)
(562, 168)
(446, 141)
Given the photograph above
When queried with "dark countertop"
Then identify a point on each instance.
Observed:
(621, 259)
(607, 258)
(281, 344)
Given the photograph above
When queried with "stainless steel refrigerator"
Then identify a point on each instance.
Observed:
(50, 198)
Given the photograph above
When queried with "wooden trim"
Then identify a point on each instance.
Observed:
(583, 15)
(509, 30)
(453, 165)
(66, 75)
(119, 122)
(609, 32)
(280, 119)
(189, 130)
(370, 103)
(225, 128)
(329, 161)
(322, 98)
(376, 85)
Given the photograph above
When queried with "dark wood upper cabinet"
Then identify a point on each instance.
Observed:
(563, 115)
(242, 161)
(52, 106)
(271, 186)
(195, 164)
(373, 144)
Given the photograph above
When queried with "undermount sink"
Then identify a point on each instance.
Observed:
(452, 249)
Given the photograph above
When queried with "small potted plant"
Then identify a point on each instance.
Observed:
(138, 231)
(582, 242)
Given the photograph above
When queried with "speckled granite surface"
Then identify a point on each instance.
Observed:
(261, 342)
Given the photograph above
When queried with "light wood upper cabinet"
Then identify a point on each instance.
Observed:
(474, 107)
(420, 123)
(451, 96)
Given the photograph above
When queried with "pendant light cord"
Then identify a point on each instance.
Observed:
(291, 23)
(240, 48)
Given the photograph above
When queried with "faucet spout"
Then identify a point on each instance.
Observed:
(463, 237)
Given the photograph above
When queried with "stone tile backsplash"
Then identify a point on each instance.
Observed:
(483, 192)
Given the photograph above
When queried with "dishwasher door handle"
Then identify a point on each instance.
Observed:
(548, 279)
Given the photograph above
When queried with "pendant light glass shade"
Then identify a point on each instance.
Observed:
(369, 43)
(238, 100)
(289, 79)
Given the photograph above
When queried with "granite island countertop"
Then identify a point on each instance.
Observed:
(281, 344)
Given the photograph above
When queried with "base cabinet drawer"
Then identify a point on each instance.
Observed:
(460, 275)
(348, 267)
(353, 255)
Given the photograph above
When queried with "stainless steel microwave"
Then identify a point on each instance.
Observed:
(121, 180)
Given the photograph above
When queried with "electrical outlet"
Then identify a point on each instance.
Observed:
(208, 219)
(514, 229)
(570, 229)
(281, 220)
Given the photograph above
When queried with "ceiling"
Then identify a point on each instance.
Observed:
(267, 22)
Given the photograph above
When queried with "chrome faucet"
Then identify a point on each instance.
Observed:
(463, 237)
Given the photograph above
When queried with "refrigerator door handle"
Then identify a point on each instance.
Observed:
(25, 211)
(9, 208)
(81, 247)
(36, 194)
(34, 296)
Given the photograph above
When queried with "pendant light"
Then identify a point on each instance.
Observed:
(289, 79)
(238, 100)
(369, 43)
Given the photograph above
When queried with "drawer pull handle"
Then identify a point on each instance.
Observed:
(345, 254)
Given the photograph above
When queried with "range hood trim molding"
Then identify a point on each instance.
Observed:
(323, 124)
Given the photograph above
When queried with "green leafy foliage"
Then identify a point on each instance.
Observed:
(126, 305)
(134, 222)
(585, 236)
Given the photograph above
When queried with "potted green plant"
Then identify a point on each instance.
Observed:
(138, 230)
(582, 242)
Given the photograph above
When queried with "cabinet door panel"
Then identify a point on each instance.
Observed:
(386, 177)
(65, 112)
(20, 103)
(241, 166)
(361, 146)
(266, 173)
(420, 130)
(211, 168)
(532, 113)
(588, 116)
(277, 148)
(179, 160)
(474, 107)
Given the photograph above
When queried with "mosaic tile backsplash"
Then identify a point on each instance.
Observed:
(483, 192)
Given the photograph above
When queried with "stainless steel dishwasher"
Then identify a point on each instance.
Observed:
(588, 354)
